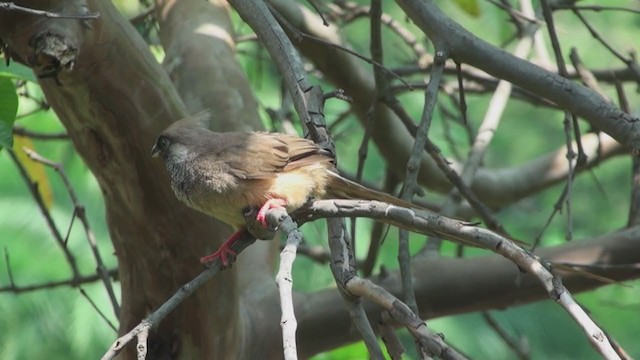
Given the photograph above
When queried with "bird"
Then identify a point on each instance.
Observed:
(223, 174)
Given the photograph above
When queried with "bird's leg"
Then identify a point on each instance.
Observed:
(270, 204)
(223, 250)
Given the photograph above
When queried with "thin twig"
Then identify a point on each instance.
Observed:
(484, 136)
(317, 9)
(599, 38)
(389, 337)
(484, 86)
(79, 210)
(361, 322)
(443, 164)
(18, 130)
(18, 289)
(595, 8)
(557, 206)
(463, 101)
(152, 321)
(300, 36)
(379, 229)
(518, 347)
(570, 120)
(355, 11)
(587, 77)
(33, 188)
(634, 205)
(343, 267)
(515, 14)
(570, 173)
(13, 7)
(97, 309)
(413, 167)
(12, 283)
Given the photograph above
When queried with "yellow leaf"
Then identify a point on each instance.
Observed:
(471, 7)
(35, 170)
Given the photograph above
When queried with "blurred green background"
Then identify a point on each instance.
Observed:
(61, 323)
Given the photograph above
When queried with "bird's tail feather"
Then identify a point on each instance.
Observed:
(342, 188)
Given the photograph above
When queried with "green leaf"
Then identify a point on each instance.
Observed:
(471, 7)
(16, 71)
(8, 111)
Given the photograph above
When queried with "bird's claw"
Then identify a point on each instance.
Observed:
(270, 204)
(221, 253)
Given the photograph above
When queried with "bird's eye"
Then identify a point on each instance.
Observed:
(163, 143)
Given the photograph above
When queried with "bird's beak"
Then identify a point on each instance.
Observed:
(155, 152)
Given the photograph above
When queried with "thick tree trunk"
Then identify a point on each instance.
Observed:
(114, 98)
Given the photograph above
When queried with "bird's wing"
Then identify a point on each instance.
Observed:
(303, 152)
(260, 155)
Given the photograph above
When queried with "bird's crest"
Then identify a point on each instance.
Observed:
(200, 119)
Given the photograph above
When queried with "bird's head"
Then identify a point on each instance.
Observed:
(175, 141)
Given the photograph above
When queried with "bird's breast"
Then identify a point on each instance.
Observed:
(223, 196)
(211, 192)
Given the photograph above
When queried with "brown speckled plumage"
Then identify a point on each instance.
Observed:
(221, 174)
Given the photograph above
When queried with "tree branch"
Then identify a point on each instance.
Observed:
(152, 321)
(495, 187)
(575, 98)
(79, 211)
(284, 281)
(491, 281)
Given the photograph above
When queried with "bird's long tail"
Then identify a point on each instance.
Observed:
(342, 188)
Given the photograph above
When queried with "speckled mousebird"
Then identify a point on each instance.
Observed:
(221, 174)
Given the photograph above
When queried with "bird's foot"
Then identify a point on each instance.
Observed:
(223, 251)
(270, 204)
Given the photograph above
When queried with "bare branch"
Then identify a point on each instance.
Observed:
(79, 210)
(9, 6)
(18, 130)
(57, 235)
(97, 309)
(595, 8)
(413, 167)
(575, 98)
(518, 347)
(153, 320)
(343, 268)
(429, 223)
(431, 342)
(73, 282)
(388, 335)
(485, 133)
(284, 281)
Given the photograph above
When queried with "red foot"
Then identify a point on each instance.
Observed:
(270, 204)
(224, 250)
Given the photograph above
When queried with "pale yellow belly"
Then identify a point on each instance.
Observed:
(295, 187)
